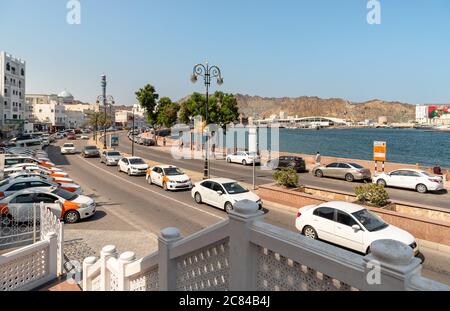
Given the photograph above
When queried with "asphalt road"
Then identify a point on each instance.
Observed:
(245, 173)
(126, 201)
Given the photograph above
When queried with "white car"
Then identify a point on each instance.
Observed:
(68, 148)
(133, 166)
(243, 158)
(418, 180)
(40, 175)
(84, 137)
(169, 177)
(222, 193)
(54, 172)
(10, 186)
(66, 205)
(348, 225)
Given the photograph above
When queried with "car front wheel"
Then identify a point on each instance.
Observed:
(71, 217)
(381, 182)
(319, 173)
(244, 162)
(229, 207)
(149, 180)
(309, 232)
(228, 160)
(129, 172)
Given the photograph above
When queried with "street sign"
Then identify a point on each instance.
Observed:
(114, 141)
(379, 151)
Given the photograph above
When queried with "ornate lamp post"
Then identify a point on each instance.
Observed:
(105, 100)
(207, 73)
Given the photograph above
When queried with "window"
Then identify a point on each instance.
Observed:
(234, 188)
(217, 187)
(18, 186)
(23, 199)
(333, 165)
(396, 173)
(22, 72)
(8, 66)
(35, 184)
(343, 165)
(345, 219)
(325, 212)
(46, 198)
(207, 184)
(369, 220)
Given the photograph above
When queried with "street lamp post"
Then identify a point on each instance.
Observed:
(105, 100)
(132, 141)
(207, 73)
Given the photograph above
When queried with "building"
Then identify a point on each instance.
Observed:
(433, 114)
(52, 114)
(124, 118)
(75, 119)
(12, 89)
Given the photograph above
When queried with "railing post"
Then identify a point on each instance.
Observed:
(167, 267)
(87, 281)
(124, 260)
(243, 254)
(61, 249)
(52, 254)
(106, 253)
(390, 266)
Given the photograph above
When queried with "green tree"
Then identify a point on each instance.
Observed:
(167, 112)
(222, 108)
(147, 98)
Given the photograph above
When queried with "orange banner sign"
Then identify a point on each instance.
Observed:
(379, 151)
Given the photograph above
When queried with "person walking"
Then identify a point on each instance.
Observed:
(318, 158)
(164, 141)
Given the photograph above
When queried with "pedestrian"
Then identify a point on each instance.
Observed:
(318, 158)
(437, 170)
(164, 141)
(213, 150)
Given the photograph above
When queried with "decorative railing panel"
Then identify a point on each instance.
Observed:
(146, 282)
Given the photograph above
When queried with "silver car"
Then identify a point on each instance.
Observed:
(348, 171)
(110, 158)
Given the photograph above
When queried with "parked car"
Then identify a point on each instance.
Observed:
(84, 137)
(68, 206)
(169, 177)
(147, 142)
(133, 166)
(222, 193)
(243, 157)
(68, 148)
(90, 152)
(110, 157)
(71, 136)
(297, 163)
(348, 171)
(40, 175)
(418, 180)
(54, 172)
(349, 225)
(10, 186)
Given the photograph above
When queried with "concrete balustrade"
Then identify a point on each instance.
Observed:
(246, 253)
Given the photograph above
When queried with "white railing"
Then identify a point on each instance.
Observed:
(29, 267)
(51, 223)
(246, 253)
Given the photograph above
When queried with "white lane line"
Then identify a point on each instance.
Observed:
(152, 191)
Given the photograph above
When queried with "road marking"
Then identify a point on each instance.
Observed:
(152, 191)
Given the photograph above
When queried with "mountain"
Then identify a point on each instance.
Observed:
(333, 107)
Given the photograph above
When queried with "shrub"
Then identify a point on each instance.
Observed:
(286, 177)
(372, 194)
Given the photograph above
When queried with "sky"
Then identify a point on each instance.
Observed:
(268, 48)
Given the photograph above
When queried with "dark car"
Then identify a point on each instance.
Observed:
(147, 142)
(296, 163)
(90, 152)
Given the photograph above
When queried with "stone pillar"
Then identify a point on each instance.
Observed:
(107, 252)
(390, 266)
(167, 267)
(52, 254)
(243, 254)
(124, 259)
(87, 264)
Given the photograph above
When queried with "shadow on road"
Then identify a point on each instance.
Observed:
(55, 155)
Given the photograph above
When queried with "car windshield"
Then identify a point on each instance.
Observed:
(90, 148)
(66, 195)
(234, 188)
(4, 182)
(370, 221)
(356, 165)
(429, 174)
(68, 145)
(136, 161)
(114, 154)
(173, 171)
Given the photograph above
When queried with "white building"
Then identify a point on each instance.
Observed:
(52, 113)
(124, 118)
(138, 110)
(12, 88)
(75, 119)
(422, 114)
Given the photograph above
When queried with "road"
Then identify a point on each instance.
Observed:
(132, 213)
(244, 174)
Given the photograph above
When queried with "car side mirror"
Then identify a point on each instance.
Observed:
(220, 192)
(356, 228)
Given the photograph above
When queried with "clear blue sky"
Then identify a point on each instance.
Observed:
(270, 48)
